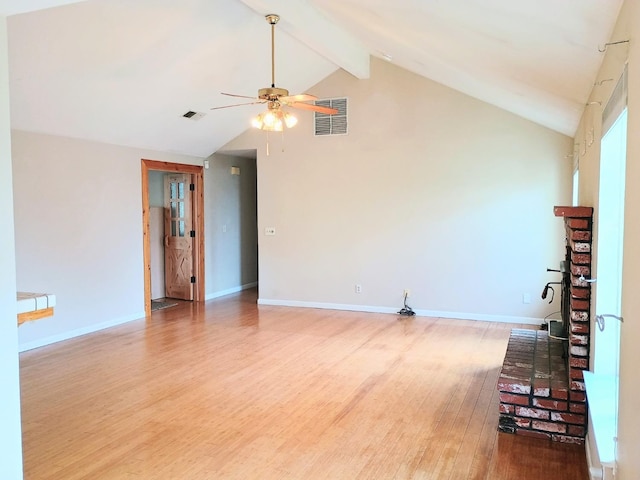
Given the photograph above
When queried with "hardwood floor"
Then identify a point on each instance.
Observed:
(230, 390)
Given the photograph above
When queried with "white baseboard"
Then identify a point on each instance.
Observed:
(229, 291)
(327, 306)
(285, 303)
(420, 313)
(481, 317)
(112, 323)
(78, 332)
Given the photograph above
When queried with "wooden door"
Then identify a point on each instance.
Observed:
(178, 236)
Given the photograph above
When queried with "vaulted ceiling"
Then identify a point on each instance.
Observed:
(124, 72)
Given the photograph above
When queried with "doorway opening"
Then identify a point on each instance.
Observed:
(174, 218)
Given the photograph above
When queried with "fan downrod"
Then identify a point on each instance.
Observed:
(272, 19)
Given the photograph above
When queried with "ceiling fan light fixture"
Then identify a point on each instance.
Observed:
(269, 119)
(257, 122)
(265, 121)
(290, 120)
(274, 120)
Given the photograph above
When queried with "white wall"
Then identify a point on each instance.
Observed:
(78, 226)
(156, 188)
(231, 253)
(78, 230)
(628, 27)
(10, 434)
(156, 252)
(431, 190)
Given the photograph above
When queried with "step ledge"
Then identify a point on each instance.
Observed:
(602, 414)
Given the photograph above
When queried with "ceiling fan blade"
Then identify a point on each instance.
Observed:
(239, 96)
(315, 108)
(303, 97)
(236, 105)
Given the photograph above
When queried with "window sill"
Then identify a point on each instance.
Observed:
(601, 395)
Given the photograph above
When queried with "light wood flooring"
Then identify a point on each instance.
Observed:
(230, 390)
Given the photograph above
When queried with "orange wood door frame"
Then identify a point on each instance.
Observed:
(197, 173)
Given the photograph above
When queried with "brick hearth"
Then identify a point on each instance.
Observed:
(541, 385)
(535, 391)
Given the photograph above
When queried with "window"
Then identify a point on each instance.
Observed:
(602, 384)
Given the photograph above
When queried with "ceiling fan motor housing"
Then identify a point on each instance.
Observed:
(272, 93)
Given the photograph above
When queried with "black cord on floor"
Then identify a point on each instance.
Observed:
(545, 323)
(406, 310)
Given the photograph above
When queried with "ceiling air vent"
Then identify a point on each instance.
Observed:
(193, 115)
(335, 124)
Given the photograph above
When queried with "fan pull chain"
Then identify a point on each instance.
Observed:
(282, 133)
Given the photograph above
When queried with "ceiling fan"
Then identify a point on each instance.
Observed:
(275, 119)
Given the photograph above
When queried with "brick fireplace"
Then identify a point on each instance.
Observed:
(541, 386)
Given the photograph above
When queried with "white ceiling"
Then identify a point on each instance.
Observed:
(124, 72)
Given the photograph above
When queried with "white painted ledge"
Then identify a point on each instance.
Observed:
(30, 302)
(601, 395)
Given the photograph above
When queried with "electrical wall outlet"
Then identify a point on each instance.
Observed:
(406, 293)
(270, 231)
(358, 288)
(526, 298)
